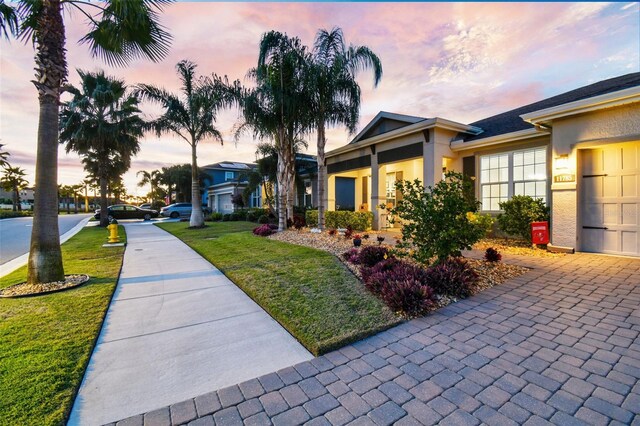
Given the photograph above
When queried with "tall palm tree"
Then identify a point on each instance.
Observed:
(152, 178)
(102, 123)
(119, 32)
(13, 180)
(335, 92)
(276, 108)
(191, 115)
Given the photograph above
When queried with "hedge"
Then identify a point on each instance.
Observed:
(358, 221)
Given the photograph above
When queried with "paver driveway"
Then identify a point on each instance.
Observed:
(558, 344)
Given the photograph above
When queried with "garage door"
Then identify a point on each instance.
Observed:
(611, 199)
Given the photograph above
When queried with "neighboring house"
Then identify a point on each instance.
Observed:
(223, 181)
(578, 151)
(307, 187)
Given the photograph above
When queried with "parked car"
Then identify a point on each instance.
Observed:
(126, 211)
(180, 210)
(145, 206)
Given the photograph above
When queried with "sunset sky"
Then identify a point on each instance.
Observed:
(461, 61)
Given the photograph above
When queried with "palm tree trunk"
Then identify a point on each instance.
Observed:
(104, 213)
(197, 217)
(282, 193)
(321, 173)
(16, 205)
(45, 256)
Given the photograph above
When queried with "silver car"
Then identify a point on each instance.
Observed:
(176, 210)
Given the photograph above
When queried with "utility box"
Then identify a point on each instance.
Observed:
(540, 232)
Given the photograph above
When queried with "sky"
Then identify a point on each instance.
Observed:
(460, 61)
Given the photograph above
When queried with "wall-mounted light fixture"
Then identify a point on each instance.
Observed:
(562, 162)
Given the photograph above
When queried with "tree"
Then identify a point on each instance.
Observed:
(102, 123)
(335, 93)
(277, 108)
(13, 180)
(191, 115)
(152, 178)
(119, 32)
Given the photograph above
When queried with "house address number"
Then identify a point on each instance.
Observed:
(564, 178)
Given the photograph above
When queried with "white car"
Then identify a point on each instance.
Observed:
(176, 210)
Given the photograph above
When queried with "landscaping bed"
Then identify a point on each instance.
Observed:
(25, 289)
(514, 246)
(46, 340)
(488, 274)
(308, 291)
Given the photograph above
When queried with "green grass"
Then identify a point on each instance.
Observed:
(310, 292)
(46, 341)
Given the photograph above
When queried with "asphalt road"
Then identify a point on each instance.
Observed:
(15, 234)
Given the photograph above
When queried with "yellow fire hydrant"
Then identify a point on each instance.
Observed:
(113, 232)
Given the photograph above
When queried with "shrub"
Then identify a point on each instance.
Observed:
(332, 232)
(226, 217)
(453, 277)
(311, 217)
(263, 219)
(254, 214)
(299, 222)
(519, 212)
(492, 255)
(351, 256)
(357, 221)
(216, 216)
(484, 221)
(237, 200)
(373, 277)
(438, 222)
(407, 296)
(241, 214)
(264, 230)
(235, 216)
(370, 255)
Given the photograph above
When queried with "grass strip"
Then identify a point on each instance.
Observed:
(46, 341)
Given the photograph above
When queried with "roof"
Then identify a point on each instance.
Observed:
(230, 165)
(399, 120)
(510, 121)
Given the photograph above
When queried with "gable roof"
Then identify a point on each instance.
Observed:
(392, 120)
(511, 121)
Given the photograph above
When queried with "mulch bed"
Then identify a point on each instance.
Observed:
(25, 289)
(513, 246)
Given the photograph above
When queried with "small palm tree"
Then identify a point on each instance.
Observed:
(102, 123)
(119, 32)
(152, 178)
(335, 93)
(13, 180)
(191, 115)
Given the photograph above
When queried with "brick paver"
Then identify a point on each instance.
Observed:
(559, 344)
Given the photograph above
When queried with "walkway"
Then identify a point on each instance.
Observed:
(558, 344)
(176, 328)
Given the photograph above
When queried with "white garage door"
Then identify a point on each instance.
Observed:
(611, 199)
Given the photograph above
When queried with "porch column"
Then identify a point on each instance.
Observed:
(377, 197)
(428, 154)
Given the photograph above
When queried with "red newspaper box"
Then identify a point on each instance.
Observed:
(540, 232)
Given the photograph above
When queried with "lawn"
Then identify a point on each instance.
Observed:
(310, 292)
(46, 341)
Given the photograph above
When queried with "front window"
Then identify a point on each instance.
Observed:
(256, 197)
(228, 176)
(307, 193)
(503, 175)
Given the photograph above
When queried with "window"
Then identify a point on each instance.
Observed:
(506, 174)
(530, 173)
(228, 176)
(494, 178)
(307, 193)
(256, 197)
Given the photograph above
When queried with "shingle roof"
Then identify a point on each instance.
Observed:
(510, 121)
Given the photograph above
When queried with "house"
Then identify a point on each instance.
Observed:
(228, 178)
(223, 181)
(579, 151)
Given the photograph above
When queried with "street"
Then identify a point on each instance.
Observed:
(15, 234)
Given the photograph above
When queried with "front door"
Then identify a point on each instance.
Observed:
(611, 199)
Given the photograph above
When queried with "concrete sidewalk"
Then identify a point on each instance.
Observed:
(176, 328)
